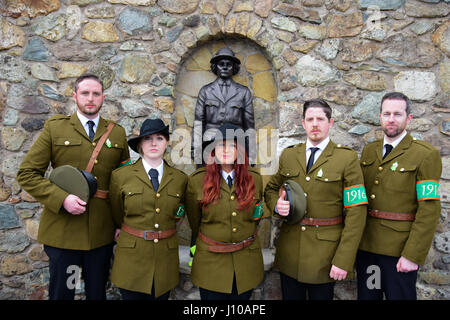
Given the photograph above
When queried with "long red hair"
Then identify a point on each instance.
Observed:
(243, 180)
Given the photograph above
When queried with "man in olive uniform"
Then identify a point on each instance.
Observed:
(402, 178)
(76, 233)
(320, 249)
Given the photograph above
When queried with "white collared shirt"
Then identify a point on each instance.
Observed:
(226, 174)
(321, 147)
(160, 169)
(84, 121)
(394, 143)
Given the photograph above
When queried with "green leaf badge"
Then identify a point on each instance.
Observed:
(320, 173)
(108, 143)
(394, 166)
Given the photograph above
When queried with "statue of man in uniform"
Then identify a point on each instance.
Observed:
(223, 101)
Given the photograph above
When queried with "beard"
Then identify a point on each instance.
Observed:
(392, 133)
(89, 111)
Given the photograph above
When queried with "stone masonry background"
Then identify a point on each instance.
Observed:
(153, 56)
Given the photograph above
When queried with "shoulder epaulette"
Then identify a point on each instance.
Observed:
(199, 170)
(254, 169)
(59, 117)
(423, 144)
(341, 146)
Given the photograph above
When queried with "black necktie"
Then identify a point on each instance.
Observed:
(388, 149)
(91, 129)
(230, 181)
(153, 173)
(311, 159)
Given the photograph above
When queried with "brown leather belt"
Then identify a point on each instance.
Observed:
(149, 234)
(101, 194)
(224, 247)
(321, 222)
(392, 215)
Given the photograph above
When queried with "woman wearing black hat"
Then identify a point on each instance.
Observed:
(147, 201)
(224, 205)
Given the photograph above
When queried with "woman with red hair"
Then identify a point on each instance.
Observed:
(224, 206)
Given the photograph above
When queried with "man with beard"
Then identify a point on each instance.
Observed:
(321, 248)
(76, 233)
(401, 175)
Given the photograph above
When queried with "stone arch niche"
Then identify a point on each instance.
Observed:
(259, 75)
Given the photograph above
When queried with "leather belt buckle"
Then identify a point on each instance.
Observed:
(149, 232)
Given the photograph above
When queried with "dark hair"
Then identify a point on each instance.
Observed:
(87, 76)
(396, 96)
(236, 66)
(317, 103)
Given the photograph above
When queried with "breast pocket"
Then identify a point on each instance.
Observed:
(110, 154)
(235, 108)
(402, 179)
(328, 187)
(212, 110)
(133, 201)
(173, 202)
(67, 150)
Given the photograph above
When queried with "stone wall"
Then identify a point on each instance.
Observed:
(151, 54)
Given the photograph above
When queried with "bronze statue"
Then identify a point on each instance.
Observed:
(223, 101)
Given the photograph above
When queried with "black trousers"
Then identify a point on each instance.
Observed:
(292, 289)
(134, 295)
(66, 266)
(214, 295)
(377, 275)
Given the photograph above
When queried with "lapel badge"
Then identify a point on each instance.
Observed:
(394, 166)
(320, 173)
(108, 143)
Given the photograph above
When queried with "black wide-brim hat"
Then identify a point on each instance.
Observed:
(74, 181)
(225, 53)
(150, 126)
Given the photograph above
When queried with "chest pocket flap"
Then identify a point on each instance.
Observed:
(69, 141)
(289, 172)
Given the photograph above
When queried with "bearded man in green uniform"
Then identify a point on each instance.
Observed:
(312, 254)
(402, 179)
(75, 232)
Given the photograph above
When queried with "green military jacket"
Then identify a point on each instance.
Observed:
(140, 263)
(63, 141)
(224, 222)
(333, 185)
(406, 181)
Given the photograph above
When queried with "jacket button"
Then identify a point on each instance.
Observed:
(234, 214)
(156, 226)
(234, 230)
(287, 174)
(94, 144)
(96, 161)
(66, 143)
(380, 168)
(157, 210)
(303, 228)
(308, 178)
(232, 198)
(116, 145)
(158, 195)
(372, 196)
(156, 241)
(376, 182)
